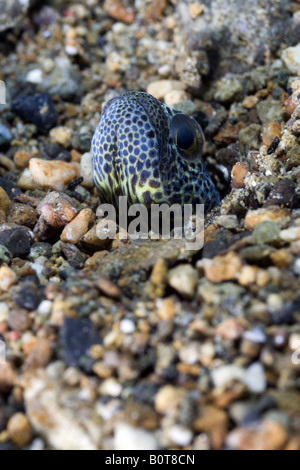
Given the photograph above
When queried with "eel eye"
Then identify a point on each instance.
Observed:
(187, 135)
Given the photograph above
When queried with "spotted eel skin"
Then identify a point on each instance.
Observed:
(150, 153)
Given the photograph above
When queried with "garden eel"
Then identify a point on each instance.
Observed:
(150, 153)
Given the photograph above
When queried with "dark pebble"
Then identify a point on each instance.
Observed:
(273, 146)
(82, 142)
(281, 194)
(78, 335)
(75, 194)
(5, 136)
(8, 446)
(17, 240)
(295, 204)
(286, 316)
(9, 187)
(145, 392)
(75, 183)
(221, 241)
(264, 404)
(37, 109)
(56, 152)
(30, 295)
(40, 249)
(73, 255)
(259, 254)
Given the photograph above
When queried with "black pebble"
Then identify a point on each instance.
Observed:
(281, 194)
(9, 187)
(30, 295)
(17, 240)
(273, 146)
(73, 255)
(37, 109)
(56, 152)
(77, 337)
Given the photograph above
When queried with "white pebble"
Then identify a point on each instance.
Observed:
(35, 76)
(127, 326)
(180, 435)
(291, 59)
(3, 311)
(130, 438)
(256, 335)
(255, 378)
(86, 170)
(111, 387)
(71, 50)
(227, 373)
(45, 308)
(297, 267)
(37, 444)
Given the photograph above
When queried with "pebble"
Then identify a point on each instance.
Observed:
(54, 175)
(4, 201)
(238, 174)
(108, 287)
(184, 279)
(227, 221)
(266, 435)
(230, 329)
(86, 170)
(255, 217)
(120, 12)
(34, 76)
(281, 194)
(22, 214)
(44, 308)
(227, 373)
(7, 278)
(127, 326)
(8, 377)
(25, 182)
(270, 110)
(168, 399)
(91, 239)
(44, 406)
(19, 429)
(5, 136)
(270, 131)
(78, 335)
(291, 59)
(214, 421)
(160, 88)
(16, 239)
(229, 88)
(195, 9)
(127, 437)
(222, 268)
(61, 135)
(180, 435)
(290, 234)
(255, 379)
(256, 335)
(18, 319)
(266, 232)
(37, 109)
(5, 254)
(22, 158)
(248, 275)
(73, 255)
(174, 97)
(78, 227)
